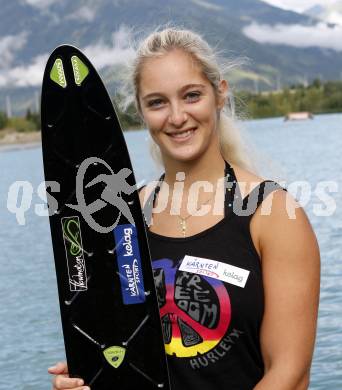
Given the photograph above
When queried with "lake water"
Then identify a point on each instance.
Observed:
(30, 329)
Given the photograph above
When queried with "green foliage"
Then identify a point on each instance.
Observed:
(317, 98)
(31, 122)
(21, 125)
(34, 117)
(129, 119)
(3, 120)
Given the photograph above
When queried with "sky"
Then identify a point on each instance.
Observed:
(299, 5)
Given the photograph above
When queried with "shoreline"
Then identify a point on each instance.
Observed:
(10, 139)
(13, 140)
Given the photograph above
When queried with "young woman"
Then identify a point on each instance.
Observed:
(248, 327)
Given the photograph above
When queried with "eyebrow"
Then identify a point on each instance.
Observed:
(181, 90)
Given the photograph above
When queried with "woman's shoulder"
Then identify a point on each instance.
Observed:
(278, 205)
(280, 200)
(246, 179)
(278, 218)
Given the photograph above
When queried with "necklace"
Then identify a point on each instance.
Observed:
(183, 220)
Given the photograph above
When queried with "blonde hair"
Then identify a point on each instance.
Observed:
(158, 43)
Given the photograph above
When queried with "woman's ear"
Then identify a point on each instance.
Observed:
(222, 93)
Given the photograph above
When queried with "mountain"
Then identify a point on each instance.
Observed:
(315, 11)
(329, 13)
(30, 29)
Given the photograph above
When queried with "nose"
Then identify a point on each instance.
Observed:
(177, 115)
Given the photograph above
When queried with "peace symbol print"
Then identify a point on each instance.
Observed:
(195, 310)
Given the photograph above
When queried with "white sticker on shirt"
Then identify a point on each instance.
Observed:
(215, 269)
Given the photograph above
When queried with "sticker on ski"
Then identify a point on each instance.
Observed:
(129, 264)
(114, 355)
(74, 253)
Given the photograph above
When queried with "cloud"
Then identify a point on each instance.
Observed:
(84, 13)
(40, 3)
(119, 52)
(319, 35)
(298, 6)
(206, 4)
(24, 76)
(334, 17)
(43, 6)
(9, 45)
(101, 55)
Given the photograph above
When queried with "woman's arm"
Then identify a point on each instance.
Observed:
(291, 274)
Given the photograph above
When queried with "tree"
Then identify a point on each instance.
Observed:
(3, 120)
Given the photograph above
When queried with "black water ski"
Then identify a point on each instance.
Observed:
(109, 309)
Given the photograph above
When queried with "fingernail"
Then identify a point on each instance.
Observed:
(52, 368)
(80, 382)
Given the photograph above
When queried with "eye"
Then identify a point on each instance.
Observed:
(154, 103)
(193, 95)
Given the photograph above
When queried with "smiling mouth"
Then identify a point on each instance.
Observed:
(182, 134)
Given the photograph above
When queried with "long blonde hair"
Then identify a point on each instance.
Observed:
(160, 42)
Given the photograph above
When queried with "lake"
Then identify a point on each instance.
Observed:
(308, 152)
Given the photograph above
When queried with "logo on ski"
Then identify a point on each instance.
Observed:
(57, 73)
(80, 70)
(74, 253)
(115, 185)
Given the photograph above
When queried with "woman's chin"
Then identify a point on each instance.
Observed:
(183, 156)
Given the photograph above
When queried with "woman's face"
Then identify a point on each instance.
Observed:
(179, 106)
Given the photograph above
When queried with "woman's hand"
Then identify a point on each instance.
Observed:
(61, 380)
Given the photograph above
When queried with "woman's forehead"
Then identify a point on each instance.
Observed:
(173, 70)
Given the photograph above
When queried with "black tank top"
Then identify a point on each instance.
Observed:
(211, 319)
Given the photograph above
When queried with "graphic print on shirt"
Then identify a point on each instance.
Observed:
(195, 310)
